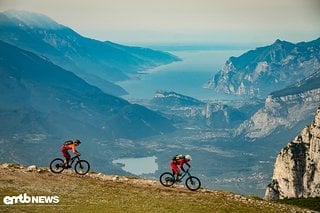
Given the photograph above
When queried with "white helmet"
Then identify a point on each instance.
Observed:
(188, 157)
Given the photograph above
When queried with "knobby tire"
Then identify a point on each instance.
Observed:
(82, 167)
(193, 183)
(167, 179)
(56, 165)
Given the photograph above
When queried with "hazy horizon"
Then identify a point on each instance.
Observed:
(183, 22)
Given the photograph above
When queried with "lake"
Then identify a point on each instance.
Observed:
(186, 77)
(139, 166)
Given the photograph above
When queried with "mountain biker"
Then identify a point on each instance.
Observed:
(69, 145)
(178, 161)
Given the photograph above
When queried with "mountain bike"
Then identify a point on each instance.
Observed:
(193, 183)
(81, 167)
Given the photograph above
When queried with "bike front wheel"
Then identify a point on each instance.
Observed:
(82, 167)
(193, 183)
(56, 165)
(167, 179)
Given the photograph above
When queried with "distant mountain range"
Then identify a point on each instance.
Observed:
(39, 97)
(285, 110)
(307, 84)
(99, 63)
(267, 69)
(198, 113)
(56, 85)
(174, 99)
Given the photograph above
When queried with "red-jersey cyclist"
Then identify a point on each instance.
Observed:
(69, 145)
(178, 161)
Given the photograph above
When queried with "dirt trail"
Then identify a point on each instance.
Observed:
(11, 173)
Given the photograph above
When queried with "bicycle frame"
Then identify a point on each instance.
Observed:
(184, 174)
(73, 159)
(81, 167)
(168, 179)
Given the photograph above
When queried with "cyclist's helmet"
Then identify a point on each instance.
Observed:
(77, 142)
(188, 157)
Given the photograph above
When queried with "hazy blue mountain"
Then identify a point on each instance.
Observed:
(99, 63)
(39, 97)
(267, 69)
(188, 111)
(173, 99)
(219, 115)
(285, 110)
(310, 83)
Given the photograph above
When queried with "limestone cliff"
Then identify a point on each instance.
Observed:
(297, 166)
(267, 69)
(284, 111)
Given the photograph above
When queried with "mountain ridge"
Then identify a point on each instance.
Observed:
(30, 19)
(284, 108)
(174, 99)
(99, 63)
(279, 64)
(37, 85)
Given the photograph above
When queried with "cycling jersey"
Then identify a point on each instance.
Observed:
(175, 164)
(66, 148)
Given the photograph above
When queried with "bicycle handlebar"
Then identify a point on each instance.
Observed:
(76, 156)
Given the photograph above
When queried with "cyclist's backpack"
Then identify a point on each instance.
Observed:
(177, 157)
(66, 143)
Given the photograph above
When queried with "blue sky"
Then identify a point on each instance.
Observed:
(183, 21)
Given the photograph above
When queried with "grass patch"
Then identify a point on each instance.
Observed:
(308, 203)
(87, 194)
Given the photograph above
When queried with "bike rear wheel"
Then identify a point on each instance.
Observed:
(193, 183)
(82, 167)
(56, 165)
(167, 179)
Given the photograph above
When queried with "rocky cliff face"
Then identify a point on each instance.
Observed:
(284, 111)
(266, 69)
(297, 166)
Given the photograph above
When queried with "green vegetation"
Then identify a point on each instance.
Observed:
(308, 203)
(96, 193)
